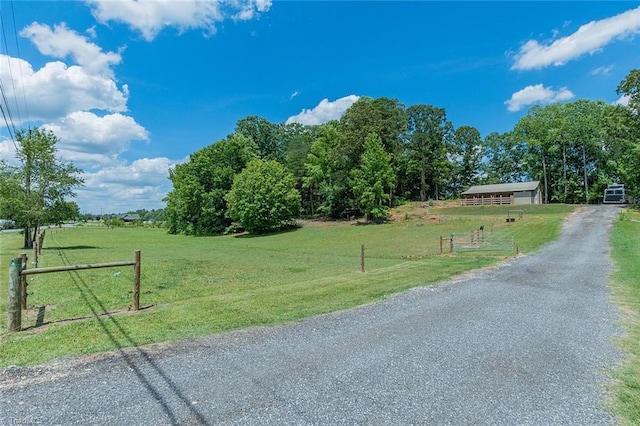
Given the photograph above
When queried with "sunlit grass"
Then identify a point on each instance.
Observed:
(198, 286)
(626, 254)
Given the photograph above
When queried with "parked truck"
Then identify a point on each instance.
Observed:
(614, 194)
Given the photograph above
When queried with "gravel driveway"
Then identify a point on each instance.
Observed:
(528, 342)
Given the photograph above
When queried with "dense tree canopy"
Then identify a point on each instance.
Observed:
(196, 205)
(263, 197)
(380, 153)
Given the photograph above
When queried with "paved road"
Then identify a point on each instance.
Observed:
(525, 343)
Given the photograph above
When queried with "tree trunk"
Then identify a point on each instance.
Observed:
(28, 241)
(584, 168)
(544, 175)
(564, 170)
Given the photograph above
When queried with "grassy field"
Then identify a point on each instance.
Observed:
(626, 287)
(198, 286)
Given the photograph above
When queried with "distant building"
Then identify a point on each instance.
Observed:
(502, 193)
(130, 217)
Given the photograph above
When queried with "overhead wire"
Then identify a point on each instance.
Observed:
(15, 33)
(5, 107)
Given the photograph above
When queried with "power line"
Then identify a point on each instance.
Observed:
(24, 94)
(7, 113)
(6, 48)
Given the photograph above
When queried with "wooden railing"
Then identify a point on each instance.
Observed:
(487, 201)
(18, 283)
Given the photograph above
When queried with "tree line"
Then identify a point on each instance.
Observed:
(377, 155)
(381, 153)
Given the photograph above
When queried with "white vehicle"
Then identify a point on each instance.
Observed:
(614, 194)
(7, 224)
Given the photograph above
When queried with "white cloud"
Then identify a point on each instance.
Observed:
(61, 42)
(56, 90)
(150, 17)
(623, 100)
(325, 111)
(8, 151)
(602, 70)
(141, 184)
(537, 94)
(589, 38)
(90, 140)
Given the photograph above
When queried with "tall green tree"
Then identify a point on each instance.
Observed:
(40, 185)
(196, 204)
(503, 159)
(383, 116)
(297, 140)
(429, 140)
(327, 174)
(630, 87)
(264, 134)
(263, 197)
(467, 158)
(373, 179)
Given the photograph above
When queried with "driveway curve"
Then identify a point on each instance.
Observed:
(528, 342)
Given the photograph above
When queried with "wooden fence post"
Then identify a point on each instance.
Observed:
(451, 244)
(41, 241)
(136, 281)
(23, 279)
(14, 311)
(441, 244)
(362, 258)
(35, 253)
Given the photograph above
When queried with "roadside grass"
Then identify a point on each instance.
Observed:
(198, 286)
(626, 291)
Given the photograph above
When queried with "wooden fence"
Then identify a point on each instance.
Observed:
(18, 284)
(476, 240)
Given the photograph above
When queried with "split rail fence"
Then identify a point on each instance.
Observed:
(18, 283)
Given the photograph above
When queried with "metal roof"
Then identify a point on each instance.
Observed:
(502, 187)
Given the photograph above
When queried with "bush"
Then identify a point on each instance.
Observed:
(263, 197)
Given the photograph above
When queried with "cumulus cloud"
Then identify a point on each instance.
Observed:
(324, 112)
(59, 89)
(537, 94)
(90, 140)
(589, 38)
(141, 184)
(151, 17)
(60, 42)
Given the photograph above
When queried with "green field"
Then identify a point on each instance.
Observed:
(626, 289)
(198, 286)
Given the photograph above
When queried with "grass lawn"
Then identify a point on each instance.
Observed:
(199, 286)
(626, 289)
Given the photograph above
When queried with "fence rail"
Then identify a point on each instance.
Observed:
(487, 201)
(18, 283)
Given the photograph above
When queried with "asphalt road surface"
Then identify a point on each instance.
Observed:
(528, 342)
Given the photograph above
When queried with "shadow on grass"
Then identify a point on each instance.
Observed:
(372, 222)
(283, 230)
(71, 248)
(121, 340)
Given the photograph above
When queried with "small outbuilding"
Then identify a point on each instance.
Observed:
(130, 217)
(502, 193)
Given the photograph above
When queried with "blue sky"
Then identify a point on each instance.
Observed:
(132, 88)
